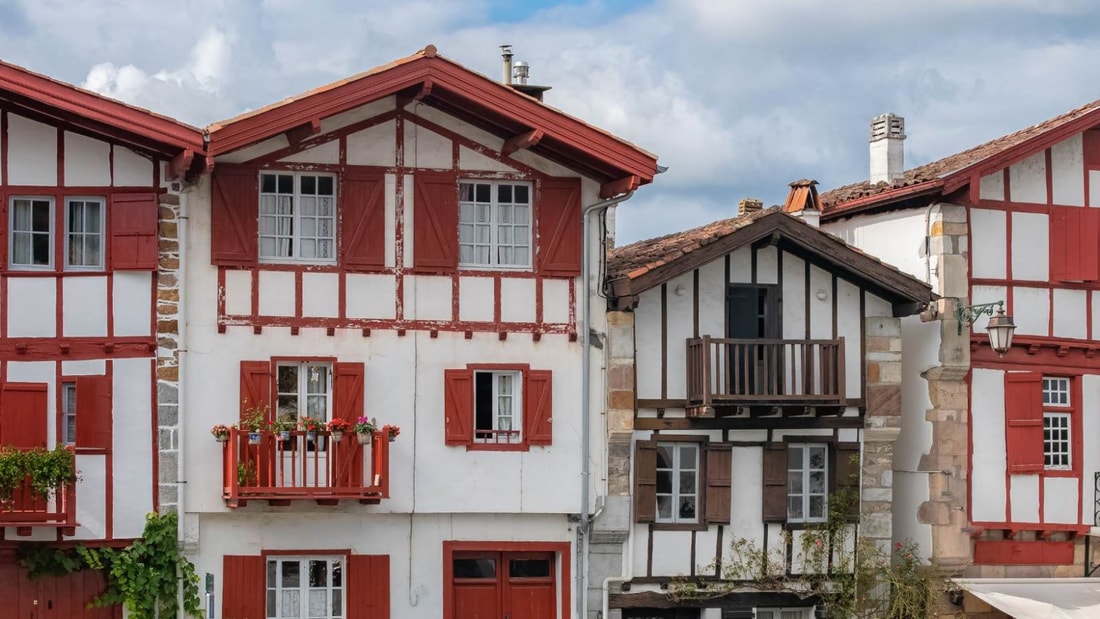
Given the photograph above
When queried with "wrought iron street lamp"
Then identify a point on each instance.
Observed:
(999, 328)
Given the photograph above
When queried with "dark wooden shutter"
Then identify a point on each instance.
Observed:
(234, 215)
(775, 482)
(363, 220)
(348, 379)
(435, 222)
(368, 587)
(243, 587)
(538, 407)
(23, 415)
(1024, 421)
(846, 477)
(93, 412)
(458, 406)
(559, 220)
(645, 481)
(719, 478)
(134, 231)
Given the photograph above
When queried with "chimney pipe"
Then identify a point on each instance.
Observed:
(506, 55)
(887, 148)
(749, 205)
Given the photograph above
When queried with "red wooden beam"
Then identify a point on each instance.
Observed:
(521, 141)
(296, 135)
(180, 164)
(626, 184)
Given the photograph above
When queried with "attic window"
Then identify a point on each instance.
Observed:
(297, 217)
(494, 224)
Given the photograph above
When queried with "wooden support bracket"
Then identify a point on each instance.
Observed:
(521, 142)
(297, 135)
(611, 189)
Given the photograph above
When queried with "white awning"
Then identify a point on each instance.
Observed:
(1038, 598)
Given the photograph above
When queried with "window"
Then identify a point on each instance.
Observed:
(494, 224)
(84, 233)
(68, 413)
(1056, 425)
(32, 232)
(677, 482)
(784, 613)
(497, 405)
(305, 587)
(297, 217)
(304, 390)
(807, 487)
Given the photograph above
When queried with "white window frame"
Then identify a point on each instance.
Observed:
(803, 612)
(12, 232)
(498, 434)
(805, 472)
(466, 207)
(677, 470)
(68, 411)
(69, 234)
(302, 393)
(1057, 408)
(296, 217)
(275, 590)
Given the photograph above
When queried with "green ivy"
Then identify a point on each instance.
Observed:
(47, 469)
(43, 560)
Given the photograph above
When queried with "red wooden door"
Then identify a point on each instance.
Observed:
(50, 597)
(504, 585)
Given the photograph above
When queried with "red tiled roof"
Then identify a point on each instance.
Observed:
(929, 174)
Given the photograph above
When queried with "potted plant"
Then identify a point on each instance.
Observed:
(284, 425)
(220, 432)
(337, 427)
(391, 431)
(364, 427)
(311, 427)
(254, 419)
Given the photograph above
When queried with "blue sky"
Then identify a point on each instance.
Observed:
(737, 98)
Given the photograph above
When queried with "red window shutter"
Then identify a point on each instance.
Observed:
(775, 482)
(23, 415)
(435, 222)
(243, 587)
(368, 587)
(134, 231)
(559, 220)
(1091, 144)
(255, 385)
(645, 481)
(348, 379)
(1024, 421)
(458, 406)
(234, 215)
(846, 476)
(93, 412)
(1059, 243)
(719, 483)
(538, 407)
(363, 220)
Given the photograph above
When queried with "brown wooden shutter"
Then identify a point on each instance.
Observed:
(23, 415)
(719, 478)
(243, 587)
(458, 406)
(846, 477)
(93, 412)
(348, 379)
(538, 407)
(234, 215)
(559, 220)
(134, 231)
(368, 587)
(645, 481)
(1024, 421)
(363, 220)
(775, 482)
(435, 222)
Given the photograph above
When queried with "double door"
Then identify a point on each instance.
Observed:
(504, 585)
(51, 597)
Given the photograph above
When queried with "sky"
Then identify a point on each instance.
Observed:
(736, 97)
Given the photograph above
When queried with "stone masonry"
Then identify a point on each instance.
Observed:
(882, 426)
(168, 315)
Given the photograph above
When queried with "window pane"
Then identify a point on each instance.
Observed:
(687, 507)
(475, 568)
(794, 508)
(318, 573)
(794, 457)
(337, 574)
(291, 575)
(817, 507)
(272, 606)
(326, 186)
(687, 456)
(41, 216)
(817, 482)
(337, 603)
(272, 568)
(504, 193)
(309, 184)
(794, 482)
(292, 603)
(664, 482)
(529, 568)
(318, 603)
(521, 194)
(286, 183)
(664, 507)
(687, 483)
(287, 378)
(482, 194)
(267, 183)
(664, 457)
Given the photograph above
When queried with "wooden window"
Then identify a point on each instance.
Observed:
(682, 481)
(84, 233)
(795, 474)
(498, 407)
(305, 587)
(297, 217)
(677, 482)
(31, 228)
(807, 482)
(494, 224)
(304, 390)
(1074, 244)
(1024, 422)
(68, 413)
(1057, 424)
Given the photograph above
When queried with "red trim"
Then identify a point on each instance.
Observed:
(562, 554)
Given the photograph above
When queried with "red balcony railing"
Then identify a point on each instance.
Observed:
(305, 466)
(26, 509)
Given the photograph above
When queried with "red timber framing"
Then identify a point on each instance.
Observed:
(560, 570)
(556, 236)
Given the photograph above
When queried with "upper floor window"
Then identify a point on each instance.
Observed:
(677, 482)
(1057, 423)
(31, 232)
(304, 390)
(498, 402)
(807, 482)
(68, 413)
(84, 233)
(498, 407)
(682, 481)
(305, 587)
(1041, 422)
(494, 224)
(297, 217)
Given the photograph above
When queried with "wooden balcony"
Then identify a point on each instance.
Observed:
(764, 372)
(26, 510)
(305, 467)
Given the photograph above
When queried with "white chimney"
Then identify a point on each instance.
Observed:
(521, 71)
(506, 55)
(887, 148)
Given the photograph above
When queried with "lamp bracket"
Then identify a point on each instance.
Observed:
(970, 313)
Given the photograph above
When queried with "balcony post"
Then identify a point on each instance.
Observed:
(841, 361)
(705, 371)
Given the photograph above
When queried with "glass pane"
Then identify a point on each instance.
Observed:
(41, 217)
(687, 507)
(325, 206)
(521, 194)
(520, 213)
(318, 603)
(76, 216)
(687, 482)
(292, 604)
(272, 569)
(504, 193)
(91, 251)
(326, 186)
(794, 508)
(318, 379)
(318, 573)
(337, 603)
(664, 507)
(664, 457)
(271, 604)
(337, 574)
(794, 458)
(687, 456)
(91, 216)
(817, 459)
(309, 206)
(482, 193)
(309, 227)
(286, 183)
(817, 482)
(529, 568)
(291, 575)
(287, 378)
(664, 482)
(794, 482)
(309, 184)
(483, 213)
(267, 183)
(475, 568)
(817, 507)
(316, 406)
(465, 192)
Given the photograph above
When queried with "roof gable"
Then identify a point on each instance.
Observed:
(425, 76)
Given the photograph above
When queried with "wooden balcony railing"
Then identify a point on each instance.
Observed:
(305, 467)
(26, 509)
(764, 371)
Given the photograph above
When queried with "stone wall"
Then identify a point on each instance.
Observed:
(882, 425)
(168, 317)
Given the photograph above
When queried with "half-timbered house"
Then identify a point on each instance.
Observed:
(83, 180)
(405, 246)
(758, 359)
(997, 466)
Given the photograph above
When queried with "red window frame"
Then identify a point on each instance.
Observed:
(460, 402)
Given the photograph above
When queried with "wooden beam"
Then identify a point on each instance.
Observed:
(179, 165)
(745, 423)
(422, 93)
(296, 135)
(199, 167)
(626, 184)
(521, 141)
